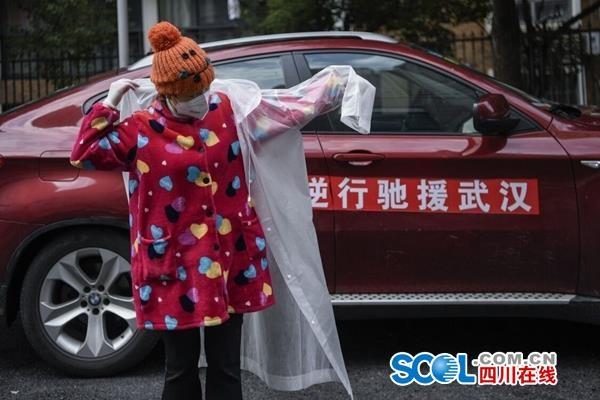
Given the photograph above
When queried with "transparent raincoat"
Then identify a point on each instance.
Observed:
(293, 344)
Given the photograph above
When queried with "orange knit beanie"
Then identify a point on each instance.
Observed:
(179, 65)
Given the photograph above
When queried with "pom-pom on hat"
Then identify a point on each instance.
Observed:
(179, 67)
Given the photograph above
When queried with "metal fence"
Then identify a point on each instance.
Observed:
(559, 66)
(27, 77)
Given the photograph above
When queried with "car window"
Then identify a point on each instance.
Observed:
(409, 97)
(266, 72)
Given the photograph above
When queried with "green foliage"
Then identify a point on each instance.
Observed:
(415, 21)
(252, 12)
(297, 15)
(64, 36)
(73, 27)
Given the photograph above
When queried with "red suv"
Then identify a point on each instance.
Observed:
(468, 197)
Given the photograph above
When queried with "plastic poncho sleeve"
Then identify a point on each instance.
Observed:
(103, 142)
(280, 110)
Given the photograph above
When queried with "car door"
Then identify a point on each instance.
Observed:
(278, 71)
(424, 203)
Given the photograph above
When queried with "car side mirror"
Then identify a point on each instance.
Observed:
(491, 114)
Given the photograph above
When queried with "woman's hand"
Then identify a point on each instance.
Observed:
(117, 90)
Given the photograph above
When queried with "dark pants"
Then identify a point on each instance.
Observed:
(223, 375)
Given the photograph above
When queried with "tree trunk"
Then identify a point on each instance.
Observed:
(506, 39)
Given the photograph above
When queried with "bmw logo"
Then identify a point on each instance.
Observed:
(94, 299)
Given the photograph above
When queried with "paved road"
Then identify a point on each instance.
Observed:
(367, 347)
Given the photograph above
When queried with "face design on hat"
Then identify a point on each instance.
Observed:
(180, 67)
(185, 73)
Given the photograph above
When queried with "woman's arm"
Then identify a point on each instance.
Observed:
(336, 85)
(103, 142)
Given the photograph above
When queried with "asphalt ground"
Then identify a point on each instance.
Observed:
(367, 346)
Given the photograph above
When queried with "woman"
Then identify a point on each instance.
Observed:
(199, 252)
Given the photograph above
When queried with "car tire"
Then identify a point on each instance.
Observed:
(60, 351)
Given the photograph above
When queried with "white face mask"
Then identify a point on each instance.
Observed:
(196, 107)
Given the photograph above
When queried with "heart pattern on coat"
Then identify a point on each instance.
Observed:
(186, 142)
(233, 186)
(174, 209)
(142, 140)
(267, 289)
(187, 238)
(223, 225)
(145, 291)
(114, 137)
(173, 148)
(133, 184)
(99, 123)
(250, 272)
(157, 126)
(186, 303)
(111, 137)
(199, 230)
(209, 321)
(193, 295)
(170, 322)
(209, 138)
(104, 143)
(142, 166)
(156, 231)
(208, 267)
(181, 273)
(166, 183)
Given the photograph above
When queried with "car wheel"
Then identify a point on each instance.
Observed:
(77, 306)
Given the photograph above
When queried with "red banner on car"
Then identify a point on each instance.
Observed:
(476, 196)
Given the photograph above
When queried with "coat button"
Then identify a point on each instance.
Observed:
(209, 212)
(216, 246)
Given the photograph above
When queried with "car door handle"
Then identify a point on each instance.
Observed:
(358, 159)
(591, 163)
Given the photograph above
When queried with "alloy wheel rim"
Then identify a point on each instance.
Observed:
(85, 304)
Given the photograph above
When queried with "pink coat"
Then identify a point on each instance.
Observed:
(198, 251)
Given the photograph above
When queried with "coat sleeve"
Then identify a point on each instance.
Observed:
(280, 110)
(103, 143)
